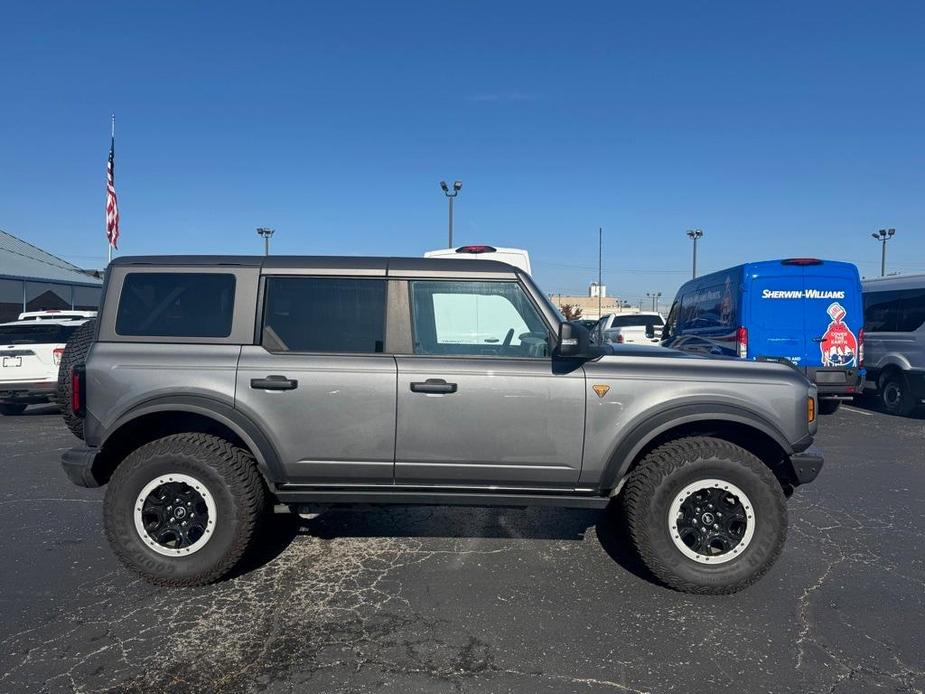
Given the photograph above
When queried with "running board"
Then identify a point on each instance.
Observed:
(295, 496)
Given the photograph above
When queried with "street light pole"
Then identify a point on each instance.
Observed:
(883, 236)
(266, 234)
(695, 234)
(451, 195)
(655, 296)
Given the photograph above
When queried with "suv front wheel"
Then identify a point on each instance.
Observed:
(705, 515)
(182, 510)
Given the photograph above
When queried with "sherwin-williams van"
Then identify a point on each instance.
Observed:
(806, 310)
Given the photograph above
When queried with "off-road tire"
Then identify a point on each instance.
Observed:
(895, 395)
(662, 475)
(228, 473)
(75, 352)
(829, 406)
(8, 409)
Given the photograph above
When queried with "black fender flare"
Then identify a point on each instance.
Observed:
(268, 460)
(652, 424)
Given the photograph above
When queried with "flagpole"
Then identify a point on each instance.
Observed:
(113, 136)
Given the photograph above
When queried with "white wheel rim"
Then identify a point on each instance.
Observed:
(195, 485)
(675, 510)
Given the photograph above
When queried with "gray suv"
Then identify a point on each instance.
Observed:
(215, 388)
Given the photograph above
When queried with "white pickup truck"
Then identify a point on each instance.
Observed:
(630, 328)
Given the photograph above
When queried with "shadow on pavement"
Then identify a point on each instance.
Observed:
(535, 523)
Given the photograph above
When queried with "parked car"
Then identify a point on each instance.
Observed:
(415, 381)
(630, 328)
(30, 351)
(517, 257)
(56, 314)
(894, 341)
(804, 310)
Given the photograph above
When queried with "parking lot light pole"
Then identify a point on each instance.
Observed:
(450, 195)
(695, 234)
(655, 296)
(883, 236)
(266, 234)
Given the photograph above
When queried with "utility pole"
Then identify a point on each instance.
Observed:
(600, 272)
(450, 196)
(883, 236)
(695, 234)
(266, 234)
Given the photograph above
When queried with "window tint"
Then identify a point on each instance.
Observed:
(894, 311)
(35, 334)
(631, 320)
(324, 314)
(708, 308)
(476, 318)
(176, 304)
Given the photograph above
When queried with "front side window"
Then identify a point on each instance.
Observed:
(471, 318)
(324, 314)
(900, 310)
(176, 304)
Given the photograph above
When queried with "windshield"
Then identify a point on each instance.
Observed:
(35, 334)
(631, 320)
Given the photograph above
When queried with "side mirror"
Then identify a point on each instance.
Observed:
(573, 340)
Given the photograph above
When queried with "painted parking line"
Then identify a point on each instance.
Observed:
(851, 409)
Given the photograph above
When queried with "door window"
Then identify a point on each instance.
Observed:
(476, 319)
(324, 314)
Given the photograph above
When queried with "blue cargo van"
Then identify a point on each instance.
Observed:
(806, 310)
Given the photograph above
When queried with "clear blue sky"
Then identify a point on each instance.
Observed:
(781, 129)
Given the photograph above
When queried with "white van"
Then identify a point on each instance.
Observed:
(894, 341)
(517, 257)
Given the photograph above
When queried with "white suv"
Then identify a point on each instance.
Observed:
(30, 351)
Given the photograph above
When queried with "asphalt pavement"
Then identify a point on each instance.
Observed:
(433, 599)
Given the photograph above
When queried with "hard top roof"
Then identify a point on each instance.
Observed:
(395, 267)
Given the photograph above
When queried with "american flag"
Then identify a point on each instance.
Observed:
(112, 203)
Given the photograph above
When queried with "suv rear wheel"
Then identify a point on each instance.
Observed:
(182, 510)
(705, 515)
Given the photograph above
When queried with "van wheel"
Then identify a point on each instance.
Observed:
(182, 510)
(75, 352)
(9, 409)
(895, 397)
(829, 406)
(705, 515)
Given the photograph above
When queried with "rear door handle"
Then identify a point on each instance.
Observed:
(433, 385)
(820, 338)
(274, 383)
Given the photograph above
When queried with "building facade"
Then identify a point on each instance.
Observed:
(34, 280)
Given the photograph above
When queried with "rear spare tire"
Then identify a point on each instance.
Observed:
(75, 352)
(705, 515)
(182, 510)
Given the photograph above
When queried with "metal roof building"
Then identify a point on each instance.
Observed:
(34, 280)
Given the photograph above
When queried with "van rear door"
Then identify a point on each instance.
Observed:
(834, 315)
(775, 323)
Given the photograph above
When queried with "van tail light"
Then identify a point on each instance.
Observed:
(58, 353)
(78, 390)
(742, 342)
(476, 249)
(861, 347)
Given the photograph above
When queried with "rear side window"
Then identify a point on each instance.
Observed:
(176, 304)
(901, 311)
(324, 314)
(35, 334)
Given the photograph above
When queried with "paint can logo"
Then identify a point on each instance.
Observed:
(839, 346)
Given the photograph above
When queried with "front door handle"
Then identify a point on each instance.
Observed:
(433, 385)
(274, 383)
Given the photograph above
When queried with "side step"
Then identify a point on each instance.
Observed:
(295, 495)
